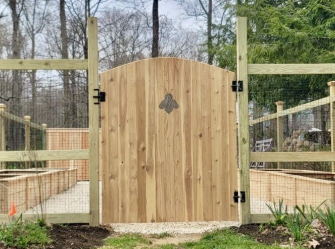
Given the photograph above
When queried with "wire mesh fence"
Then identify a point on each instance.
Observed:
(41, 112)
(283, 120)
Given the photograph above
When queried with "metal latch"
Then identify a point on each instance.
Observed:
(101, 97)
(241, 196)
(237, 86)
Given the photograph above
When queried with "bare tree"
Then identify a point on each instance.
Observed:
(15, 101)
(124, 37)
(35, 16)
(212, 12)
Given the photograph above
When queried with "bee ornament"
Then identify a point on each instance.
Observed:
(168, 104)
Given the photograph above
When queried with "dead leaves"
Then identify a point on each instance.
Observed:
(312, 243)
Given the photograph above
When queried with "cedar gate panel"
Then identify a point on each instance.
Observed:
(168, 142)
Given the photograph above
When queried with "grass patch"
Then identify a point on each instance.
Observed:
(221, 239)
(127, 241)
(23, 234)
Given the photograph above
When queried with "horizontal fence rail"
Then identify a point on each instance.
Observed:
(293, 110)
(43, 155)
(62, 64)
(292, 156)
(291, 68)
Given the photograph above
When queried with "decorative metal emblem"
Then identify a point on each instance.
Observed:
(168, 104)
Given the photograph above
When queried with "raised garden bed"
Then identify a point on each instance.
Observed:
(294, 187)
(28, 188)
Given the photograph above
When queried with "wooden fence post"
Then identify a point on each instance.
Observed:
(331, 85)
(44, 141)
(27, 137)
(2, 133)
(243, 123)
(280, 108)
(93, 79)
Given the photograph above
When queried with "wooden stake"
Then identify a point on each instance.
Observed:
(280, 106)
(3, 133)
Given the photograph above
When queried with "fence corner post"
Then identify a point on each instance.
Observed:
(44, 141)
(331, 85)
(2, 133)
(280, 108)
(27, 137)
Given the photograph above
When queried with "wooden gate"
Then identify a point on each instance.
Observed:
(168, 142)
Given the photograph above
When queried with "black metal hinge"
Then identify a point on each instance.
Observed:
(101, 97)
(241, 196)
(237, 86)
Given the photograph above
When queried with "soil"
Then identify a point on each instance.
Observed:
(77, 236)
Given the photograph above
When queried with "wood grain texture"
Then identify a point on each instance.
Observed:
(168, 167)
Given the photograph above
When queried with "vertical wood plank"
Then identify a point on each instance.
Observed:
(206, 141)
(232, 148)
(243, 124)
(186, 133)
(93, 119)
(161, 177)
(175, 119)
(122, 139)
(218, 127)
(197, 142)
(141, 140)
(150, 106)
(131, 142)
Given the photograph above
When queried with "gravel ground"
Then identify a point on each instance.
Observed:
(75, 200)
(172, 227)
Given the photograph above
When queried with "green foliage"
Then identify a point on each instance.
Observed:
(327, 217)
(297, 223)
(126, 241)
(283, 32)
(279, 212)
(23, 234)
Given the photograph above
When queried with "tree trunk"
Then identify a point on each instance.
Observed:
(155, 29)
(209, 32)
(65, 55)
(15, 105)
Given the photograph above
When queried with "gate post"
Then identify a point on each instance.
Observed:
(331, 85)
(243, 118)
(93, 111)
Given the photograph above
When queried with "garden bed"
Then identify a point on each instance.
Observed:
(28, 188)
(294, 187)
